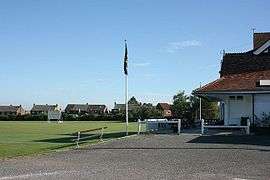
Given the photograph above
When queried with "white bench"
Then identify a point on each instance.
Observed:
(204, 126)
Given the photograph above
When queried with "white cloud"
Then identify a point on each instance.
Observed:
(176, 46)
(142, 64)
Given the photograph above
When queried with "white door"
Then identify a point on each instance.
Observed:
(261, 104)
(236, 112)
(240, 107)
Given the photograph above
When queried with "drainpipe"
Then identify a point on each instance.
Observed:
(253, 114)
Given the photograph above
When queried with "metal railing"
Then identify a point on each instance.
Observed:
(207, 126)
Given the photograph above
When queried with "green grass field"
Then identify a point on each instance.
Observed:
(25, 138)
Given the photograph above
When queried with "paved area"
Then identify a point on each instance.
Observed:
(186, 156)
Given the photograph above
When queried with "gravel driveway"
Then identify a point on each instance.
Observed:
(151, 157)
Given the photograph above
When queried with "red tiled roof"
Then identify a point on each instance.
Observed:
(164, 106)
(260, 38)
(236, 63)
(237, 82)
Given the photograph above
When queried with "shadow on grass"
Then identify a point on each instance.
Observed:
(233, 139)
(85, 137)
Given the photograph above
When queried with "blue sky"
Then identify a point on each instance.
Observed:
(67, 51)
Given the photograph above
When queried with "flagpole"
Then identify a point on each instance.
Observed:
(200, 105)
(126, 83)
(126, 101)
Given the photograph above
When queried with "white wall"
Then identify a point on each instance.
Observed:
(261, 104)
(239, 108)
(235, 109)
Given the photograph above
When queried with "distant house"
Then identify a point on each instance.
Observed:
(165, 108)
(121, 108)
(39, 109)
(11, 110)
(243, 88)
(90, 109)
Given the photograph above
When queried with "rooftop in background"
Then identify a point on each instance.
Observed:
(9, 108)
(44, 108)
(86, 108)
(164, 106)
(243, 71)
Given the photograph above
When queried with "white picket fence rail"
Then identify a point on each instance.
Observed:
(205, 126)
(147, 121)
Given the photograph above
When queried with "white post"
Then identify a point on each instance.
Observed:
(126, 101)
(202, 127)
(146, 125)
(200, 108)
(139, 126)
(78, 139)
(48, 116)
(179, 126)
(248, 127)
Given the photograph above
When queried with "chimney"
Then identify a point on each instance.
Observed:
(260, 38)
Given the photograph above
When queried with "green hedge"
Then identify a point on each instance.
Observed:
(24, 118)
(66, 117)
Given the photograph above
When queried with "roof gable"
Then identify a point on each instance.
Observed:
(260, 38)
(263, 48)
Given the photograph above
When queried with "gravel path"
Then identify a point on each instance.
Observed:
(151, 157)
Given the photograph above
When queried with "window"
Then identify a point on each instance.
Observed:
(232, 97)
(240, 98)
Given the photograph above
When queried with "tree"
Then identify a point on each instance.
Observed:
(147, 111)
(181, 105)
(209, 108)
(133, 100)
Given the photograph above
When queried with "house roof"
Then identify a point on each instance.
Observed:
(85, 107)
(122, 107)
(243, 71)
(77, 107)
(164, 106)
(251, 61)
(237, 82)
(96, 107)
(9, 108)
(236, 63)
(260, 38)
(44, 108)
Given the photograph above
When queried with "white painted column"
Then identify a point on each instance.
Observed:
(139, 126)
(179, 126)
(202, 127)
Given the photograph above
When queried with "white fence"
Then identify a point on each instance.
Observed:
(205, 126)
(149, 122)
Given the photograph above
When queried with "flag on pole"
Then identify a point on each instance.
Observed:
(126, 59)
(126, 84)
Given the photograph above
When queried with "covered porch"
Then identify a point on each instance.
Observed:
(236, 108)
